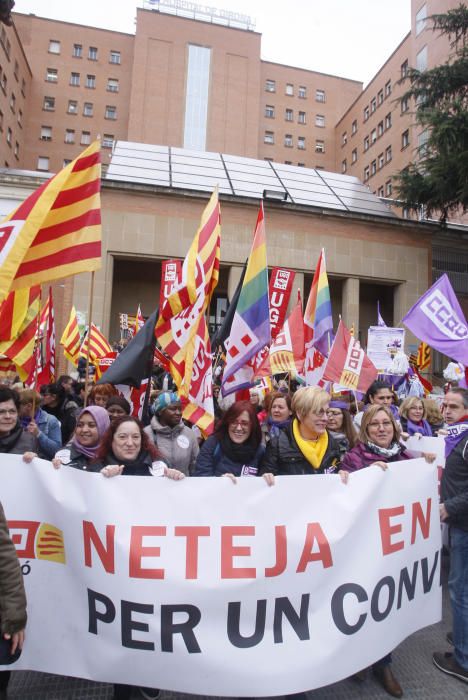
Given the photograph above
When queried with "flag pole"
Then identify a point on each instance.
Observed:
(90, 311)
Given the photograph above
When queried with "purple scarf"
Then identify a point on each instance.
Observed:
(101, 417)
(455, 433)
(423, 428)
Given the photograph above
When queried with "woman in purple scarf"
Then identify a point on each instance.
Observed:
(413, 417)
(91, 424)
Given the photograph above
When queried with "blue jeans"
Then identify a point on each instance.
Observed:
(458, 587)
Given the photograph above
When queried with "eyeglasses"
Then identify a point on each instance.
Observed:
(8, 412)
(333, 413)
(384, 424)
(240, 424)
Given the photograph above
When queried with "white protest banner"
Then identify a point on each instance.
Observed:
(430, 445)
(207, 587)
(382, 344)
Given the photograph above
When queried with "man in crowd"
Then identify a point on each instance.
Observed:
(454, 512)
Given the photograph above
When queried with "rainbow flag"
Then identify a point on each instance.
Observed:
(250, 330)
(318, 322)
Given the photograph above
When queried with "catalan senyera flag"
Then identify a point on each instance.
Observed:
(20, 348)
(56, 231)
(250, 331)
(71, 339)
(179, 318)
(13, 311)
(287, 352)
(47, 334)
(98, 344)
(348, 364)
(424, 356)
(318, 319)
(139, 321)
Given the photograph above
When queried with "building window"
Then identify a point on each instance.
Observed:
(319, 146)
(302, 92)
(16, 149)
(366, 143)
(373, 167)
(344, 166)
(366, 173)
(380, 129)
(288, 162)
(380, 97)
(270, 85)
(373, 136)
(344, 138)
(301, 118)
(269, 137)
(288, 140)
(289, 89)
(13, 102)
(319, 167)
(366, 113)
(423, 138)
(1, 120)
(111, 112)
(85, 138)
(269, 160)
(320, 96)
(72, 107)
(49, 104)
(404, 105)
(405, 140)
(20, 118)
(270, 111)
(354, 155)
(114, 57)
(388, 120)
(15, 70)
(77, 50)
(54, 46)
(52, 75)
(319, 120)
(380, 160)
(92, 53)
(88, 109)
(66, 161)
(91, 81)
(23, 87)
(69, 135)
(380, 191)
(388, 88)
(289, 115)
(107, 140)
(404, 69)
(388, 154)
(3, 82)
(388, 188)
(196, 97)
(301, 143)
(46, 133)
(354, 127)
(75, 79)
(405, 213)
(373, 105)
(112, 85)
(421, 59)
(421, 17)
(42, 163)
(9, 136)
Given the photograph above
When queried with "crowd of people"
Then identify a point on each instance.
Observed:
(305, 432)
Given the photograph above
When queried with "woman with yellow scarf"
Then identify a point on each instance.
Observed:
(305, 446)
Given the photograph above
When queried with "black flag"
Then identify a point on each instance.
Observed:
(225, 328)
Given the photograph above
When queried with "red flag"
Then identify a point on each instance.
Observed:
(287, 352)
(47, 332)
(279, 291)
(348, 364)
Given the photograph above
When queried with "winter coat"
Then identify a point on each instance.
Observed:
(144, 465)
(284, 457)
(66, 413)
(70, 457)
(12, 595)
(178, 445)
(212, 461)
(454, 485)
(24, 442)
(361, 456)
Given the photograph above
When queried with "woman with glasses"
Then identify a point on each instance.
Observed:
(235, 448)
(13, 439)
(306, 446)
(413, 417)
(340, 423)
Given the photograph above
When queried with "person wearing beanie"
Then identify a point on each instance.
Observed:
(176, 442)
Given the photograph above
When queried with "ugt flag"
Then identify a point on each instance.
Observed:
(438, 320)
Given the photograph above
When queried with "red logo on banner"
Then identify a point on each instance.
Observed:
(171, 274)
(281, 282)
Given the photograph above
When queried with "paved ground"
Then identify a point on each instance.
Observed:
(412, 666)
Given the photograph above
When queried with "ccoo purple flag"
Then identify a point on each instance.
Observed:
(438, 320)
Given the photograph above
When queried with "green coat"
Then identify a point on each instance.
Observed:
(12, 595)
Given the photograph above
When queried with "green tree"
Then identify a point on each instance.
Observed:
(438, 179)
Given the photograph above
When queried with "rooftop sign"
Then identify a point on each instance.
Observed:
(205, 13)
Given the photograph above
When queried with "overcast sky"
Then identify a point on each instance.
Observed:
(350, 38)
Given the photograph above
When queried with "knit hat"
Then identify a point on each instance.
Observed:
(163, 400)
